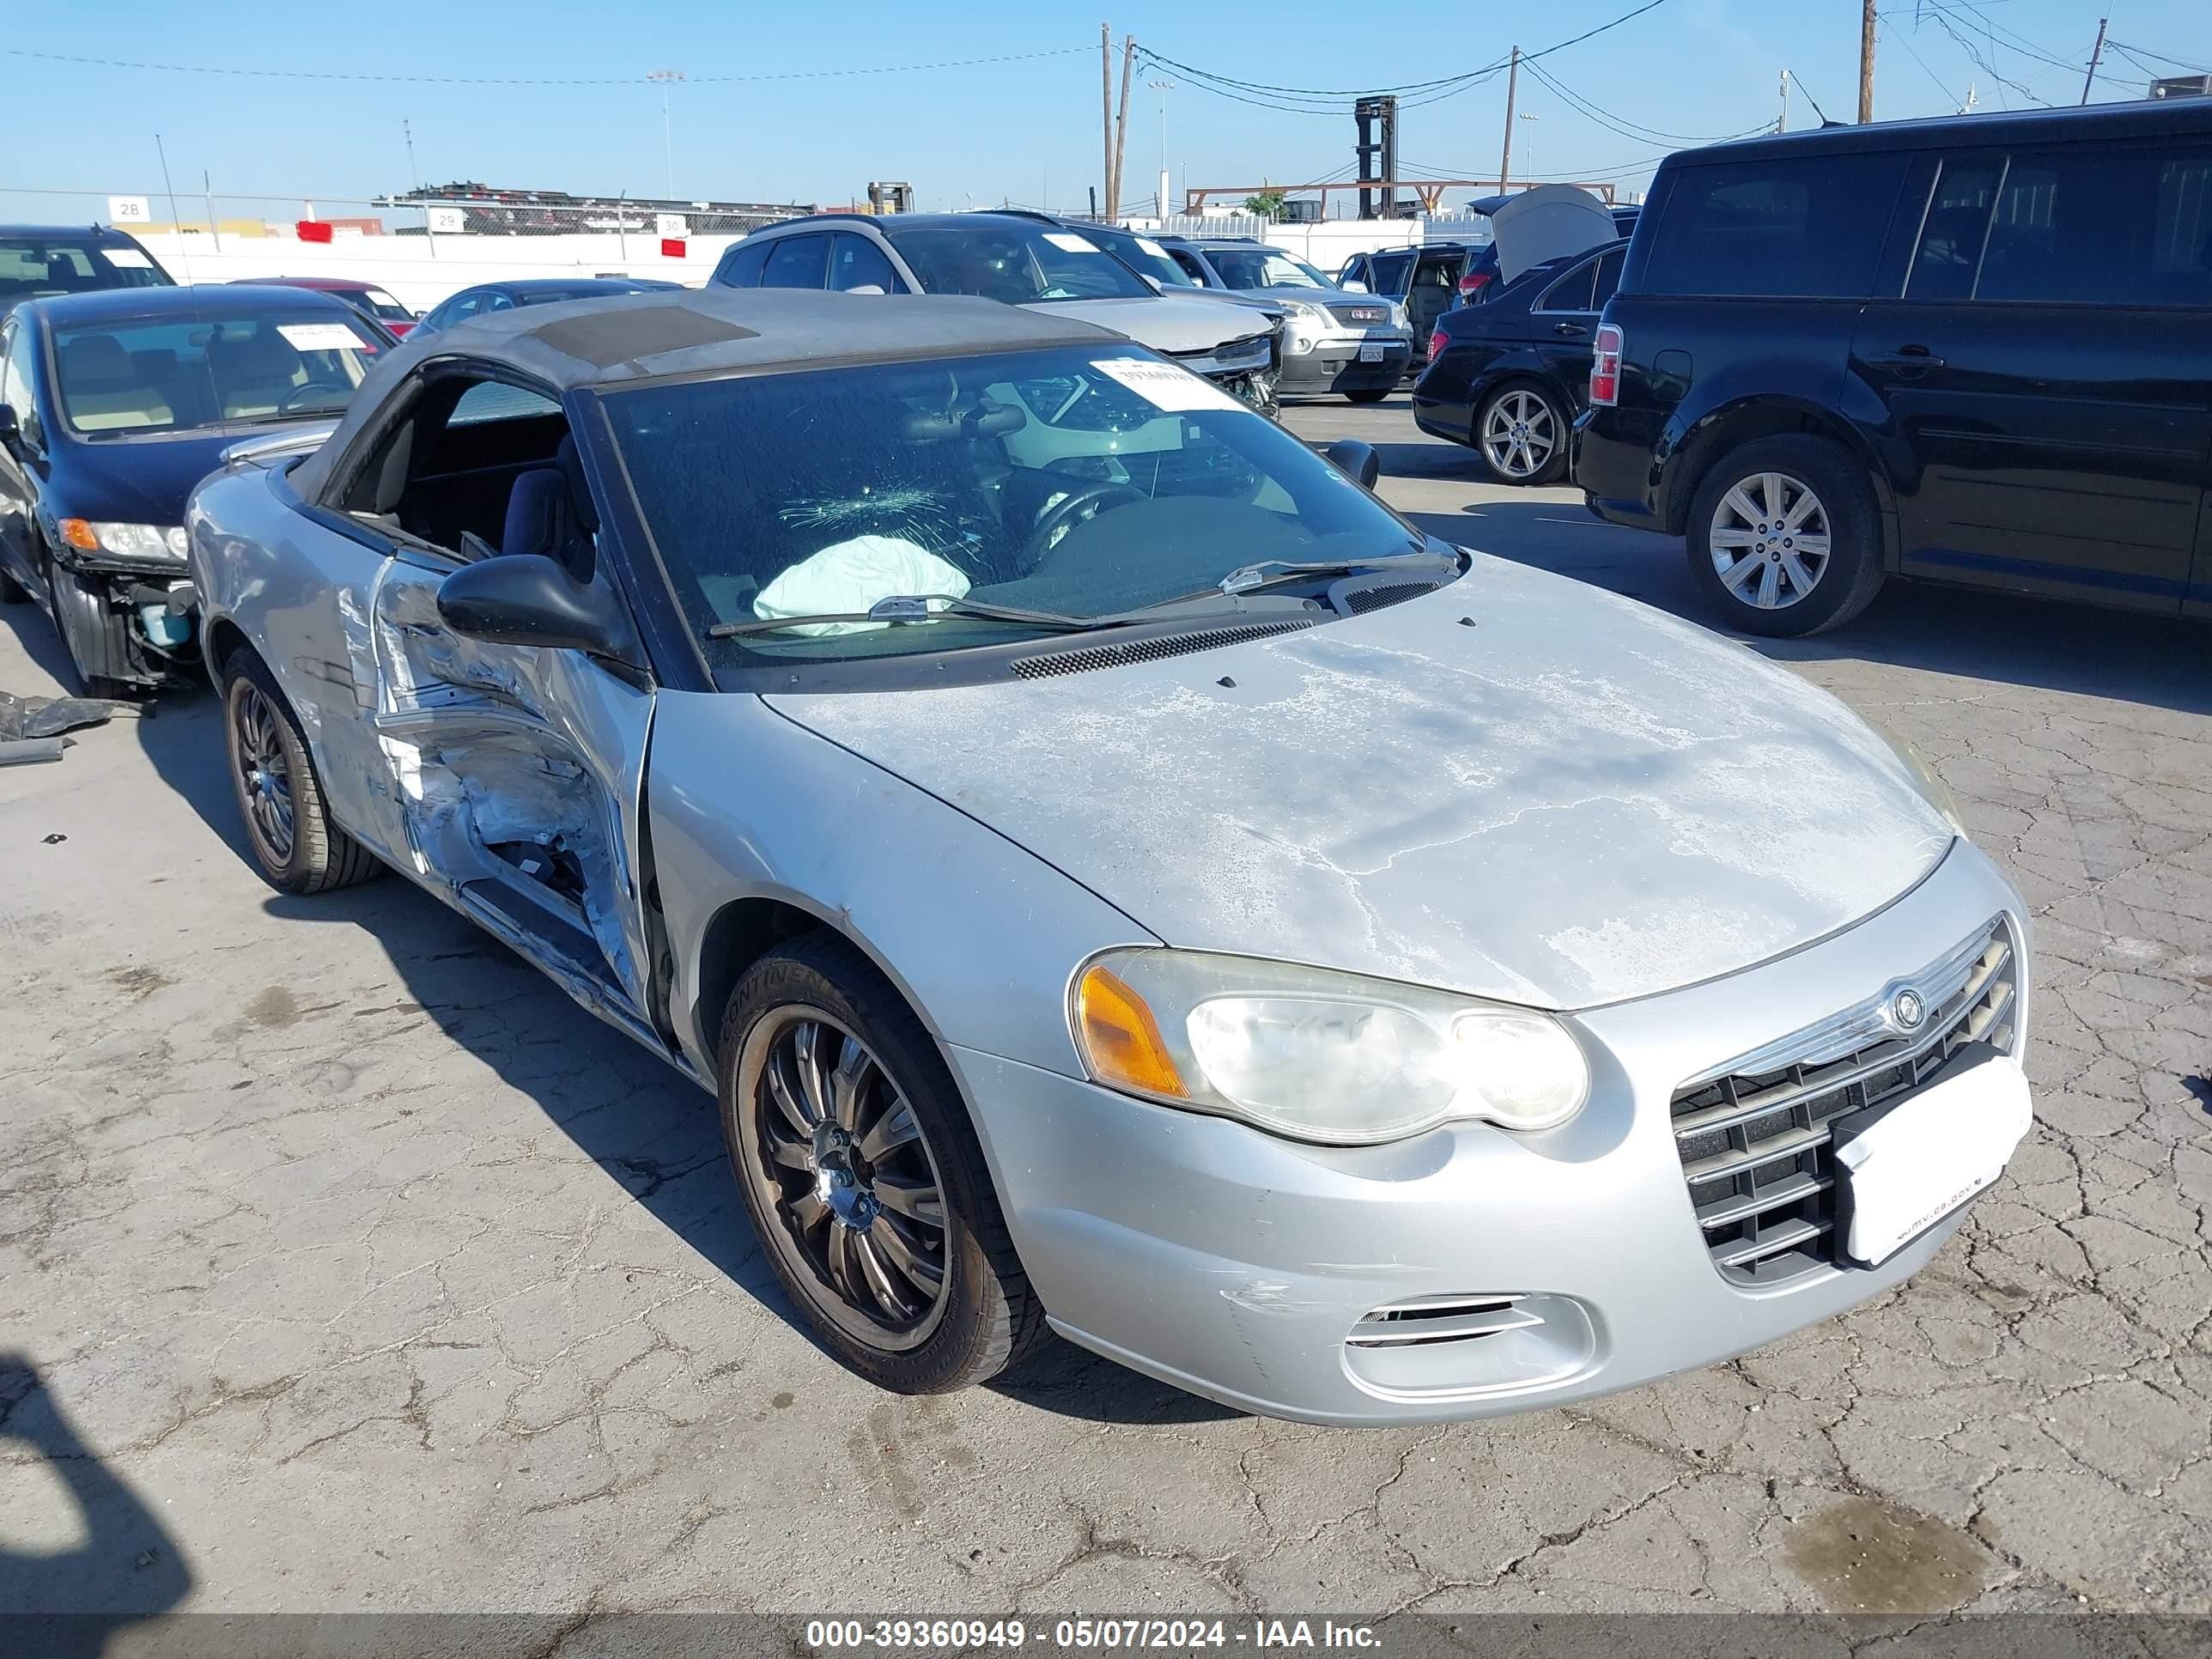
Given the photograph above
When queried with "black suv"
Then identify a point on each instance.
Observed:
(1973, 350)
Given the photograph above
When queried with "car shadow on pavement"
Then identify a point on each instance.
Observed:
(119, 1566)
(2046, 644)
(649, 1129)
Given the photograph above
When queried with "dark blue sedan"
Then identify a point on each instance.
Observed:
(1507, 379)
(112, 406)
(486, 298)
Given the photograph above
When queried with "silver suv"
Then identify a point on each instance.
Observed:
(1019, 260)
(1358, 344)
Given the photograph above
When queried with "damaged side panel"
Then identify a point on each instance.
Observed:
(516, 775)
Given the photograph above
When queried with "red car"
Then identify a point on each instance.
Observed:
(364, 297)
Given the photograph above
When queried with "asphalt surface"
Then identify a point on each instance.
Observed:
(344, 1265)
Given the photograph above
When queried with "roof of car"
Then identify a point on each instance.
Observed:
(97, 232)
(581, 286)
(207, 299)
(889, 222)
(319, 284)
(616, 341)
(2145, 118)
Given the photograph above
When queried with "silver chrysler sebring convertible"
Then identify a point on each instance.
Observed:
(1113, 873)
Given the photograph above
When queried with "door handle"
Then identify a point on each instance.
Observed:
(1906, 358)
(1572, 331)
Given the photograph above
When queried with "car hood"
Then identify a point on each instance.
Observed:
(145, 480)
(1163, 321)
(1576, 801)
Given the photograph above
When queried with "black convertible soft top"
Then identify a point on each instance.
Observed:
(618, 339)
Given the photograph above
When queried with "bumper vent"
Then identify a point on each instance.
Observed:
(1046, 663)
(1441, 1319)
(1755, 1140)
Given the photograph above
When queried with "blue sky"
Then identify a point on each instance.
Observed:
(1027, 130)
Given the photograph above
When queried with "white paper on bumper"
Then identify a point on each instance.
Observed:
(1914, 1166)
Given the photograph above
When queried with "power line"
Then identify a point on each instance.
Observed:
(2177, 63)
(526, 81)
(1412, 93)
(1628, 129)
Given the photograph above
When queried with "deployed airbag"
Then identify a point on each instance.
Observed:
(849, 576)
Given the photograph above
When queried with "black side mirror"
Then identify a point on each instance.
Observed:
(11, 430)
(525, 599)
(1358, 460)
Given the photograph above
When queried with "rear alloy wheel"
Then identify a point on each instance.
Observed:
(1782, 537)
(1521, 435)
(296, 846)
(863, 1175)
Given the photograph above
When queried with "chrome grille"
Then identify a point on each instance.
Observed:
(1362, 316)
(1754, 1137)
(1082, 661)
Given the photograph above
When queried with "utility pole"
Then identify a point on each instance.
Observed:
(668, 147)
(1122, 124)
(1866, 62)
(1163, 87)
(1782, 124)
(1106, 109)
(414, 178)
(2095, 57)
(1512, 82)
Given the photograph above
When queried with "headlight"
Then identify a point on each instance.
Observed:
(1316, 1055)
(1936, 791)
(125, 541)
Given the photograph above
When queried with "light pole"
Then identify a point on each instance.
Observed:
(667, 78)
(1163, 87)
(1529, 146)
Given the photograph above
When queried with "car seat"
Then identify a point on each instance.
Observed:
(101, 392)
(550, 512)
(254, 372)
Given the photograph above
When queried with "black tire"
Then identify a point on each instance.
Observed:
(1546, 419)
(69, 595)
(987, 1316)
(1848, 579)
(1374, 394)
(317, 856)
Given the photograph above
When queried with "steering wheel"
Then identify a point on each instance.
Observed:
(292, 398)
(1082, 507)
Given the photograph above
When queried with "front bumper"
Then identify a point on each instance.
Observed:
(132, 620)
(1236, 1264)
(1333, 365)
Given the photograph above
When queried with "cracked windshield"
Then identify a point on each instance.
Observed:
(1078, 481)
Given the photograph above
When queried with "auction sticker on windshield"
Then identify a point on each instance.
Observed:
(1165, 386)
(322, 337)
(126, 258)
(1072, 244)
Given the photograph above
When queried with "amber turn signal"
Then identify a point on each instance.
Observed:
(77, 533)
(1122, 1039)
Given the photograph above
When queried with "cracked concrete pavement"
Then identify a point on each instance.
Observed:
(344, 1265)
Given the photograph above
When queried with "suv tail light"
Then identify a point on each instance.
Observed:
(1604, 366)
(1472, 284)
(1438, 341)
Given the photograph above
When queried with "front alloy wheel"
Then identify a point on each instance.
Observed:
(863, 1175)
(265, 775)
(1769, 540)
(843, 1166)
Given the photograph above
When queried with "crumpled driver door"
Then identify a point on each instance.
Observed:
(518, 773)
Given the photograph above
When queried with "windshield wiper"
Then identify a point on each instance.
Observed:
(911, 608)
(1267, 571)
